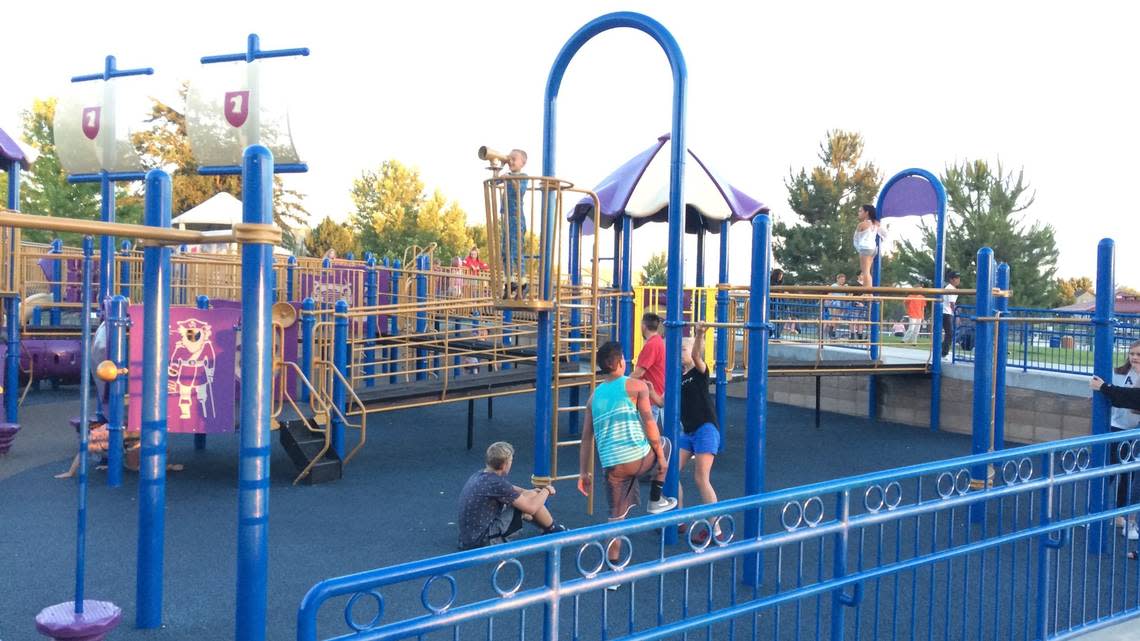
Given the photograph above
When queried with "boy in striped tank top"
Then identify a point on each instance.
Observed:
(619, 418)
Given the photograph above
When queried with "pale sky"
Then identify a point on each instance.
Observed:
(1044, 86)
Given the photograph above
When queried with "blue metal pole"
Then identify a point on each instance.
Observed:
(117, 322)
(936, 314)
(700, 279)
(308, 322)
(508, 340)
(155, 360)
(629, 324)
(421, 315)
(756, 405)
(721, 346)
(983, 368)
(615, 303)
(125, 269)
(1104, 330)
(394, 323)
(575, 268)
(12, 358)
(340, 362)
(876, 336)
(202, 302)
(290, 269)
(371, 277)
(385, 353)
(84, 413)
(1001, 304)
(256, 401)
(106, 243)
(56, 285)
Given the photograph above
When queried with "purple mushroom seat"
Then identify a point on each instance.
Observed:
(7, 435)
(60, 621)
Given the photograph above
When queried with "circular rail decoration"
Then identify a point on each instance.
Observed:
(697, 525)
(893, 495)
(1084, 457)
(786, 521)
(719, 523)
(509, 592)
(602, 558)
(426, 600)
(1068, 461)
(878, 503)
(351, 621)
(1024, 469)
(814, 505)
(962, 482)
(623, 543)
(945, 485)
(1124, 451)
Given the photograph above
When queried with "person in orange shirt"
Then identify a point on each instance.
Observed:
(915, 313)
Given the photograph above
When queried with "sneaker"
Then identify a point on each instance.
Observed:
(555, 529)
(702, 535)
(664, 504)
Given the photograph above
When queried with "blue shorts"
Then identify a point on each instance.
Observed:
(706, 440)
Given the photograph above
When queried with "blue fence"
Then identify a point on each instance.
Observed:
(1056, 346)
(931, 551)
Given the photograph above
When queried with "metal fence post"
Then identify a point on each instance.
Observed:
(421, 316)
(290, 270)
(308, 323)
(370, 298)
(394, 323)
(1002, 357)
(721, 345)
(1104, 324)
(756, 405)
(982, 433)
(117, 322)
(340, 362)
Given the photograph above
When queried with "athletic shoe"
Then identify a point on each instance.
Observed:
(664, 504)
(555, 529)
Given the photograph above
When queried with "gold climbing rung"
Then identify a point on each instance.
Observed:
(572, 408)
(575, 306)
(575, 340)
(568, 443)
(568, 477)
(575, 374)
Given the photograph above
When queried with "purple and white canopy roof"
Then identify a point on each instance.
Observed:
(10, 151)
(913, 192)
(640, 189)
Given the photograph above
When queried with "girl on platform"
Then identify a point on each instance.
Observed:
(867, 233)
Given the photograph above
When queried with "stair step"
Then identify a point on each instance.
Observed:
(303, 446)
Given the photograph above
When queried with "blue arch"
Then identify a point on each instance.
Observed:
(543, 399)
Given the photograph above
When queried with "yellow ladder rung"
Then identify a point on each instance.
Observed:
(572, 408)
(568, 443)
(568, 477)
(574, 374)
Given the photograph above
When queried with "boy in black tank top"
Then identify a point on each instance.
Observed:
(700, 437)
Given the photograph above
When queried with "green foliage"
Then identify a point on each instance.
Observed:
(394, 213)
(826, 202)
(654, 272)
(332, 235)
(984, 203)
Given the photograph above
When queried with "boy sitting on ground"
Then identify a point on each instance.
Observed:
(492, 511)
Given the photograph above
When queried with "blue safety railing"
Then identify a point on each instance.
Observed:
(1055, 346)
(931, 551)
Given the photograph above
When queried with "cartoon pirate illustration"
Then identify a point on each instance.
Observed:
(192, 367)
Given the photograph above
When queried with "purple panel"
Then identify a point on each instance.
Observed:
(10, 151)
(201, 377)
(55, 359)
(911, 196)
(60, 621)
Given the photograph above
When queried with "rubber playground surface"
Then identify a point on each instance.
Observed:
(396, 503)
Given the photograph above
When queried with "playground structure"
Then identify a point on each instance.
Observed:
(377, 337)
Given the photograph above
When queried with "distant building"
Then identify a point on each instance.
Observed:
(1086, 302)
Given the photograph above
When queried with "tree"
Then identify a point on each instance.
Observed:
(818, 244)
(984, 203)
(655, 270)
(1069, 288)
(394, 213)
(332, 235)
(166, 145)
(44, 189)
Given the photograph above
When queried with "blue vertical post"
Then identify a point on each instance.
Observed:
(1001, 305)
(700, 275)
(394, 323)
(575, 267)
(371, 282)
(106, 243)
(202, 302)
(56, 285)
(155, 360)
(615, 303)
(84, 414)
(508, 340)
(983, 369)
(629, 324)
(876, 318)
(421, 316)
(12, 309)
(936, 314)
(756, 405)
(384, 352)
(308, 322)
(340, 362)
(256, 399)
(125, 269)
(117, 322)
(1104, 330)
(721, 346)
(350, 256)
(290, 270)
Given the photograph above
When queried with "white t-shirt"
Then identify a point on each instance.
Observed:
(948, 301)
(1122, 418)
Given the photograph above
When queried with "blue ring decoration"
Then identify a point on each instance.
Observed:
(601, 563)
(962, 481)
(693, 530)
(621, 563)
(784, 515)
(1083, 458)
(451, 598)
(352, 603)
(938, 485)
(1068, 461)
(724, 540)
(1125, 455)
(1025, 469)
(1009, 472)
(882, 501)
(815, 500)
(495, 578)
(887, 495)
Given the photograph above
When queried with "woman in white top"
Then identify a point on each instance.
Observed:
(867, 233)
(1127, 490)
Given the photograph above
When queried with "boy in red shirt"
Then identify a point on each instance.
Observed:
(651, 362)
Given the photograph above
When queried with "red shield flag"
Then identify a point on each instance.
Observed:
(236, 107)
(91, 116)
